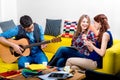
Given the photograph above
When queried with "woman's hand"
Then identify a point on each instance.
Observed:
(84, 36)
(89, 44)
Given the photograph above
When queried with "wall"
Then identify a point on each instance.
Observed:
(8, 10)
(39, 10)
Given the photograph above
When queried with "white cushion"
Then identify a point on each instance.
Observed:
(1, 30)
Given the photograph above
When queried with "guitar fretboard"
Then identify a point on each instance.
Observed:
(36, 44)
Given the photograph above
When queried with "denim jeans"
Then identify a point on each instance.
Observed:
(63, 53)
(37, 58)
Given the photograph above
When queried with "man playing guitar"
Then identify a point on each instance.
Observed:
(33, 33)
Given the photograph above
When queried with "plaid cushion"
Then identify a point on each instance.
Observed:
(69, 28)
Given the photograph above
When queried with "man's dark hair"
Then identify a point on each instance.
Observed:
(26, 21)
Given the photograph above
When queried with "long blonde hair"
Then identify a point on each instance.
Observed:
(79, 29)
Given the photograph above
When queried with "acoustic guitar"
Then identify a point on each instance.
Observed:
(8, 55)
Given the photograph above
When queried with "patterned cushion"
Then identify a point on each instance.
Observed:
(69, 28)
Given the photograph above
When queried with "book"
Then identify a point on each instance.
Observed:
(37, 67)
(10, 74)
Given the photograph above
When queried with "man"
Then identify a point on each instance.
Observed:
(34, 33)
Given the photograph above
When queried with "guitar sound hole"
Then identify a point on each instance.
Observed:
(16, 54)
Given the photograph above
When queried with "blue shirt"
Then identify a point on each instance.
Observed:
(14, 31)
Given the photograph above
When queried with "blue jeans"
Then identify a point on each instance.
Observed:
(63, 53)
(37, 58)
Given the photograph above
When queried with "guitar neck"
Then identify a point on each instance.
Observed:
(37, 44)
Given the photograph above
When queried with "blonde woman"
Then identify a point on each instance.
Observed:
(77, 49)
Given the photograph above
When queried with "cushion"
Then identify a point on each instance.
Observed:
(53, 27)
(1, 30)
(7, 25)
(69, 28)
(92, 28)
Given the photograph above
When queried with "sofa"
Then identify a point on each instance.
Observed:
(111, 60)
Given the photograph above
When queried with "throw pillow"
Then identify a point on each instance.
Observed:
(1, 30)
(92, 28)
(7, 25)
(69, 28)
(53, 27)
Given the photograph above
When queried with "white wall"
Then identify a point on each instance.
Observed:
(39, 10)
(8, 10)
